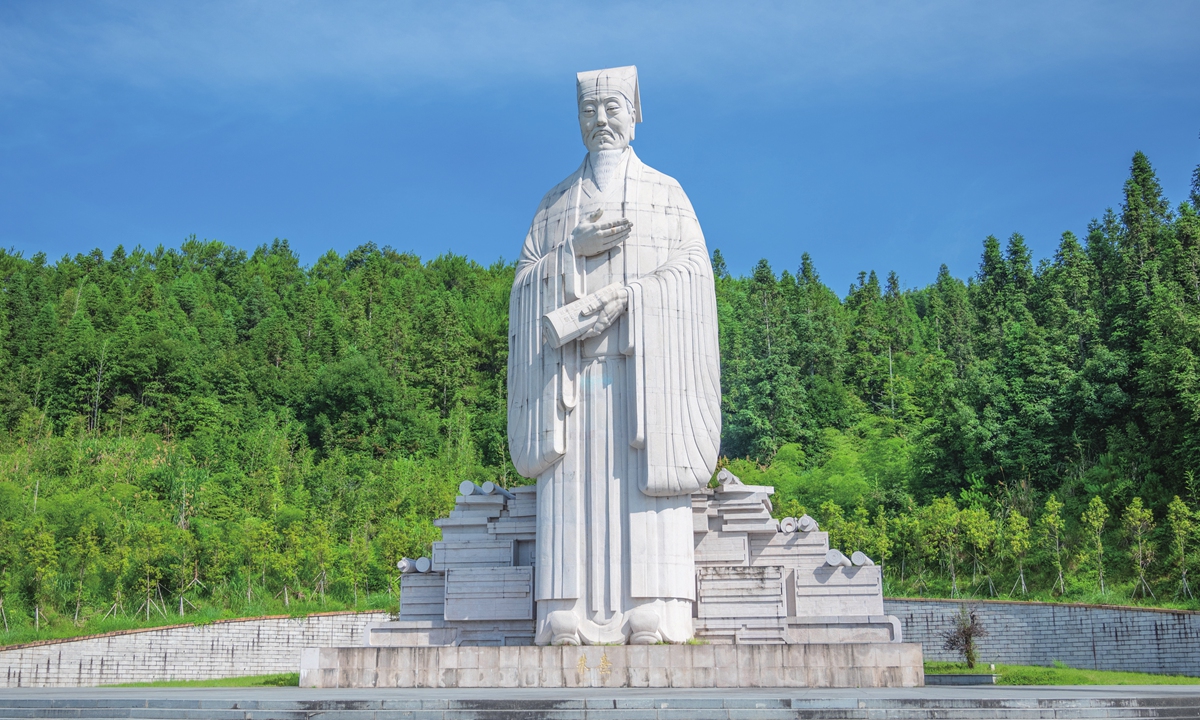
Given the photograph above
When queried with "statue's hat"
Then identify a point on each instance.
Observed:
(622, 79)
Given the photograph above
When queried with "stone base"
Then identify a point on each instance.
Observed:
(425, 633)
(617, 666)
(800, 630)
(845, 629)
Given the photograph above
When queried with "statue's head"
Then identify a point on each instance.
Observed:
(609, 107)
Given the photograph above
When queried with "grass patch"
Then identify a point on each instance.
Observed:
(1059, 674)
(281, 680)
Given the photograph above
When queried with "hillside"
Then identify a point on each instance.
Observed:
(206, 431)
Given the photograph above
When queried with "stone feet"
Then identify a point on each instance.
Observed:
(564, 627)
(643, 627)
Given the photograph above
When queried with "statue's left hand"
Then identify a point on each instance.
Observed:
(609, 303)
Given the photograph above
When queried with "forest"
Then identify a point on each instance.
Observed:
(198, 432)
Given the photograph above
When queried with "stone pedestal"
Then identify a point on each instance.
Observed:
(813, 665)
(758, 581)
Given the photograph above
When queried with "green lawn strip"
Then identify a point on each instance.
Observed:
(281, 680)
(1059, 675)
(67, 630)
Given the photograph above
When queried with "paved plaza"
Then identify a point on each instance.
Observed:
(1079, 703)
(1031, 692)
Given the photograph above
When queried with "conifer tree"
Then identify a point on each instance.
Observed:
(720, 269)
(952, 320)
(989, 290)
(867, 346)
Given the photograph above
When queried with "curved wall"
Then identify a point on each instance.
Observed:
(226, 648)
(1101, 637)
(1086, 636)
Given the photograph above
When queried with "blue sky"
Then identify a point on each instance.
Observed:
(873, 135)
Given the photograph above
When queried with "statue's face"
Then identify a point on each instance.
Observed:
(606, 122)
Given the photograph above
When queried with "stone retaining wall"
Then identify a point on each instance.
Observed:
(227, 648)
(1108, 638)
(1082, 636)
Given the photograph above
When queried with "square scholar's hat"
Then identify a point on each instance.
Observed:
(621, 79)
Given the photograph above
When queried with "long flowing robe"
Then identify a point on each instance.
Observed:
(619, 430)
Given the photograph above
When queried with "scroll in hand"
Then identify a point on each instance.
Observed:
(586, 317)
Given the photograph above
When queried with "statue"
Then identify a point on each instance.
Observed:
(614, 404)
(614, 392)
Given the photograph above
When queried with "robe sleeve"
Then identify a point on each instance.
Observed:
(676, 367)
(536, 413)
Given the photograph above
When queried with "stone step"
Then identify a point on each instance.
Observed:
(528, 710)
(183, 708)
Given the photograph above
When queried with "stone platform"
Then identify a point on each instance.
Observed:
(814, 665)
(758, 580)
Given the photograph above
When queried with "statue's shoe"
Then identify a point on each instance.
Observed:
(564, 627)
(643, 627)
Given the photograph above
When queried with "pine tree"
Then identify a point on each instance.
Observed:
(867, 346)
(952, 320)
(720, 270)
(1018, 261)
(1195, 194)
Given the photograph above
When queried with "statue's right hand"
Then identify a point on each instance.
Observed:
(592, 237)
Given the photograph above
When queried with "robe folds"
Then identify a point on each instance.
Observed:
(622, 429)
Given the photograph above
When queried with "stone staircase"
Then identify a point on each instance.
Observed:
(192, 705)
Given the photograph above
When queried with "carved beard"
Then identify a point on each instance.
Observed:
(604, 165)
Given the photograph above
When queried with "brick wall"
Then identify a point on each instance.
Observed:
(229, 648)
(1082, 636)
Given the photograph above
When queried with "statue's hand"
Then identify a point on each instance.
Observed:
(608, 304)
(592, 237)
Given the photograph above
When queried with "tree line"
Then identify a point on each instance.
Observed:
(1037, 421)
(199, 431)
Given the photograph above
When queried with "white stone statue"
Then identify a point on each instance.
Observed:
(614, 385)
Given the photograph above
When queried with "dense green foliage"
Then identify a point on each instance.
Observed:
(198, 427)
(931, 427)
(200, 431)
